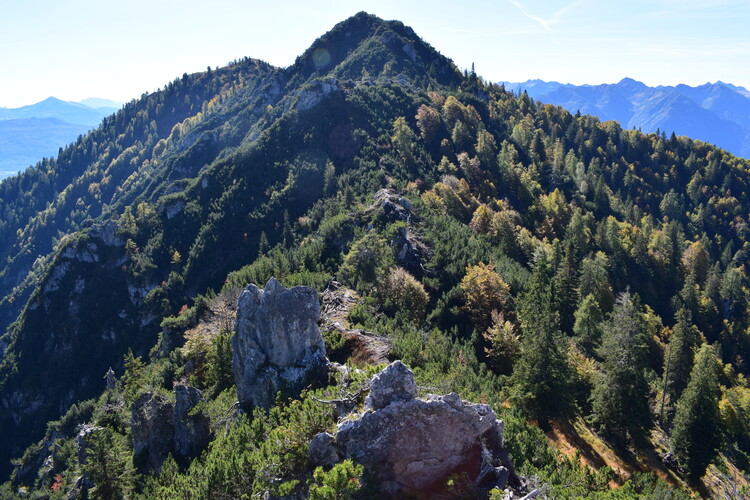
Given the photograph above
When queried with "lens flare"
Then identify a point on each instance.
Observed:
(321, 57)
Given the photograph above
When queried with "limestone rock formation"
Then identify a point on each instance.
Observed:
(191, 432)
(152, 427)
(277, 344)
(413, 446)
(323, 450)
(411, 252)
(394, 207)
(82, 442)
(160, 427)
(395, 383)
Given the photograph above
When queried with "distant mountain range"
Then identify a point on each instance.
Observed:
(29, 133)
(718, 113)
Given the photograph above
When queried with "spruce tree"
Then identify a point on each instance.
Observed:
(679, 359)
(696, 432)
(587, 329)
(620, 397)
(566, 296)
(109, 465)
(541, 373)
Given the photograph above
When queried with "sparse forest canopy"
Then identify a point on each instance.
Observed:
(568, 272)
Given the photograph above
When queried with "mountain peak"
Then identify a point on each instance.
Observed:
(366, 45)
(627, 81)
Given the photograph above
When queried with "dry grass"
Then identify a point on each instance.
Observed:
(574, 436)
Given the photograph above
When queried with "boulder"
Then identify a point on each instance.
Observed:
(394, 383)
(411, 251)
(393, 206)
(277, 344)
(413, 446)
(323, 450)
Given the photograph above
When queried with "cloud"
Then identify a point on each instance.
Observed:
(546, 22)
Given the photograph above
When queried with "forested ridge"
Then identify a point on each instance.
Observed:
(568, 272)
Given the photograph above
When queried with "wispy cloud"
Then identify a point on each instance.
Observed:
(555, 18)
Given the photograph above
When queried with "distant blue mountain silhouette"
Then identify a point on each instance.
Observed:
(29, 133)
(718, 113)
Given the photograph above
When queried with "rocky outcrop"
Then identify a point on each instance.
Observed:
(393, 206)
(413, 446)
(191, 431)
(411, 252)
(160, 427)
(311, 95)
(152, 428)
(323, 450)
(82, 440)
(277, 344)
(395, 383)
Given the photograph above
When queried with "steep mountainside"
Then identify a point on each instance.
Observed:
(200, 169)
(511, 252)
(718, 113)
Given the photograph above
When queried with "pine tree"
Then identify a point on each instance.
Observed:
(620, 397)
(541, 373)
(696, 432)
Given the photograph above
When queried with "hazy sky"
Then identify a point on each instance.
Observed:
(75, 49)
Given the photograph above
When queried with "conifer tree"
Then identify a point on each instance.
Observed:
(263, 245)
(696, 432)
(565, 282)
(587, 329)
(541, 373)
(620, 397)
(679, 360)
(109, 465)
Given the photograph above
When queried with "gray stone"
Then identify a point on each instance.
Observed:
(152, 428)
(393, 206)
(111, 379)
(160, 427)
(394, 383)
(416, 445)
(277, 344)
(412, 446)
(323, 450)
(82, 443)
(192, 432)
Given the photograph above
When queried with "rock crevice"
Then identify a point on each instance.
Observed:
(160, 427)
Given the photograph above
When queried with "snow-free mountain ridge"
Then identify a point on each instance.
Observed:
(718, 113)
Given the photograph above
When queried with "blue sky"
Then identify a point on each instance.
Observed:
(119, 50)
